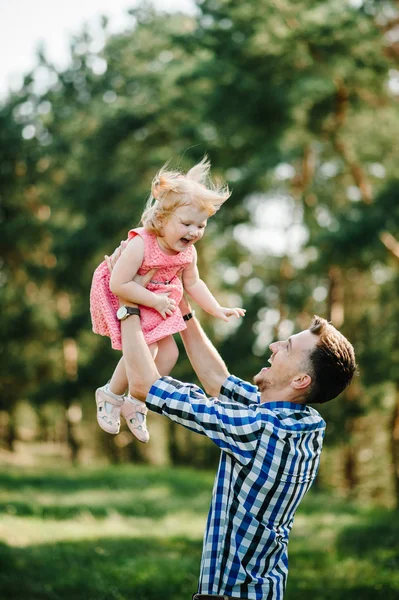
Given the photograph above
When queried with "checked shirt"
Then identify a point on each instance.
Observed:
(269, 459)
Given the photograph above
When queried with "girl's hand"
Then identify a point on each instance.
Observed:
(164, 305)
(224, 313)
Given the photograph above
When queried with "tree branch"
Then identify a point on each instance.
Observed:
(390, 243)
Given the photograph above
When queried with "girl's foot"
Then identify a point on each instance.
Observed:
(108, 409)
(135, 413)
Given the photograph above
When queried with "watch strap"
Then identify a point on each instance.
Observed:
(133, 310)
(189, 315)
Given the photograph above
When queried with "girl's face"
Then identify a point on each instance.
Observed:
(183, 229)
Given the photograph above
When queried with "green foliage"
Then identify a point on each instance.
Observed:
(292, 102)
(126, 532)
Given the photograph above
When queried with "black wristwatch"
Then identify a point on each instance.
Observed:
(124, 312)
(189, 315)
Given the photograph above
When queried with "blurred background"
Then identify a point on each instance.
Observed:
(296, 104)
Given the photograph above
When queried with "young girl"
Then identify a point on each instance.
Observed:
(174, 219)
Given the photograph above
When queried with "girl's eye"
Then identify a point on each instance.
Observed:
(186, 224)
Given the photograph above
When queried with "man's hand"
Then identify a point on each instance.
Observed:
(111, 260)
(144, 280)
(224, 313)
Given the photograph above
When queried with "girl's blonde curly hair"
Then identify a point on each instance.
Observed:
(172, 189)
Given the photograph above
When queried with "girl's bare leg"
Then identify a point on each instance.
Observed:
(167, 356)
(111, 402)
(118, 383)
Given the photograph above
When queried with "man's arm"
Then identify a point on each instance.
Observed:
(140, 365)
(142, 372)
(233, 427)
(205, 359)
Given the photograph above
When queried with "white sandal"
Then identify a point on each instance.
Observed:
(137, 425)
(108, 421)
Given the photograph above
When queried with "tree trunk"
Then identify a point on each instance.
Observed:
(335, 296)
(136, 451)
(350, 466)
(71, 436)
(395, 444)
(352, 395)
(173, 446)
(108, 445)
(11, 432)
(71, 371)
(44, 429)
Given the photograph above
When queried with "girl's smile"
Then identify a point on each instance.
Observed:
(182, 229)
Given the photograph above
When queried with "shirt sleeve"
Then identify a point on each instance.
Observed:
(237, 390)
(233, 427)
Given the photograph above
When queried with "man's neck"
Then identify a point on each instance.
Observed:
(285, 395)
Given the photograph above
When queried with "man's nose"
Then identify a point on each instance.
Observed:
(274, 346)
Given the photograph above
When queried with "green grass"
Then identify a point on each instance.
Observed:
(135, 533)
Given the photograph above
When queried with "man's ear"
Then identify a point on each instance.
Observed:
(301, 381)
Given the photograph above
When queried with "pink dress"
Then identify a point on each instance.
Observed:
(104, 304)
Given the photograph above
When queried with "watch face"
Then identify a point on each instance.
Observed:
(121, 313)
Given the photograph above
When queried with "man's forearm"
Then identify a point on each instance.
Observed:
(140, 366)
(205, 359)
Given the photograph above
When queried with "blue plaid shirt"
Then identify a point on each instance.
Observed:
(270, 456)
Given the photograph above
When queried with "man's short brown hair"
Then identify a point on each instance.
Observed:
(331, 363)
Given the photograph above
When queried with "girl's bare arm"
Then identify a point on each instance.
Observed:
(197, 289)
(122, 285)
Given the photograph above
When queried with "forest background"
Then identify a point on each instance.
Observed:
(296, 104)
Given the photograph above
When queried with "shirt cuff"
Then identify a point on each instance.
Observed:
(156, 396)
(237, 390)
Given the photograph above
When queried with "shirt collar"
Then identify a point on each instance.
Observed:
(283, 404)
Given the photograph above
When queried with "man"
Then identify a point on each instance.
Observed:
(270, 443)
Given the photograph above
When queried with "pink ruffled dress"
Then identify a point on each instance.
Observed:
(104, 304)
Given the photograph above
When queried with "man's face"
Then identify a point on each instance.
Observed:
(287, 362)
